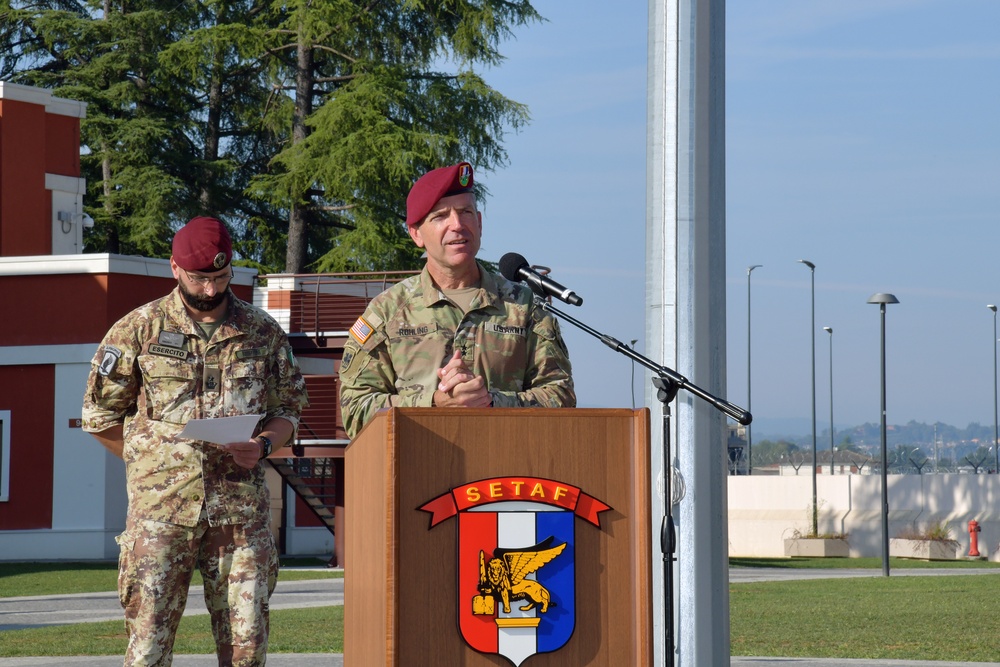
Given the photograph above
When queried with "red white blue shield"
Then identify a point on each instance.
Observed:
(516, 562)
(530, 625)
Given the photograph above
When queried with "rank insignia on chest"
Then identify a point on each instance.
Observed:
(361, 331)
(213, 378)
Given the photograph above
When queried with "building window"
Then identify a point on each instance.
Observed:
(4, 455)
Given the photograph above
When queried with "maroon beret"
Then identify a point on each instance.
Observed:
(434, 185)
(202, 245)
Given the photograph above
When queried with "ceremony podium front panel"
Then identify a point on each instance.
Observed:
(403, 593)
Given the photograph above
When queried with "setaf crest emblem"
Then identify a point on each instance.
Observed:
(516, 561)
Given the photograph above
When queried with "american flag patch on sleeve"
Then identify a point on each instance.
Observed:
(361, 331)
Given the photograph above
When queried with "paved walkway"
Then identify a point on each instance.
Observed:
(36, 611)
(337, 660)
(27, 612)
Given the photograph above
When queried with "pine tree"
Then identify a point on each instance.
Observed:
(302, 124)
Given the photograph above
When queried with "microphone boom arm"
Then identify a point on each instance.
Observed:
(679, 381)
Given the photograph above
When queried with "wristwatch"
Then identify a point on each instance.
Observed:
(265, 446)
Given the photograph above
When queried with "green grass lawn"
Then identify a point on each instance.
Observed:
(905, 618)
(313, 630)
(859, 563)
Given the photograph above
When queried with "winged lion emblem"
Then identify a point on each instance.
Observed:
(502, 577)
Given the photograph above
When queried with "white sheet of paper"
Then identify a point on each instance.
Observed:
(221, 430)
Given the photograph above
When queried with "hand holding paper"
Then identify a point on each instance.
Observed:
(230, 434)
(222, 430)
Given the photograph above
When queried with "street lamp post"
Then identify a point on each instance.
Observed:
(882, 300)
(749, 438)
(996, 435)
(812, 331)
(829, 330)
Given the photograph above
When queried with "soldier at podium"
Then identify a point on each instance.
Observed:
(456, 335)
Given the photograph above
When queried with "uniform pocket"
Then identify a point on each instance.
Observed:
(170, 387)
(245, 387)
(127, 576)
(417, 351)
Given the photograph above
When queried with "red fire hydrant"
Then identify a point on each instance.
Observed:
(974, 530)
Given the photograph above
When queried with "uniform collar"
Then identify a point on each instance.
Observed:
(489, 288)
(179, 316)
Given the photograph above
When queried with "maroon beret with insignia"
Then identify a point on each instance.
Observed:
(203, 245)
(434, 185)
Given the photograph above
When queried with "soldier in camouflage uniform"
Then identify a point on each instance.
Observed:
(457, 334)
(197, 353)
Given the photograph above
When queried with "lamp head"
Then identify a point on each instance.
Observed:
(883, 298)
(812, 267)
(829, 330)
(993, 308)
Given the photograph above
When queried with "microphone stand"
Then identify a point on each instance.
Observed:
(667, 383)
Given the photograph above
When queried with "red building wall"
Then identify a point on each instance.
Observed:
(62, 145)
(31, 446)
(24, 201)
(78, 308)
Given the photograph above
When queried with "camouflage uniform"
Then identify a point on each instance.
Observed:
(188, 501)
(410, 331)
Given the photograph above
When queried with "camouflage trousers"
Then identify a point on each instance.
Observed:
(239, 565)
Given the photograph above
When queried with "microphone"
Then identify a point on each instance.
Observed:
(514, 267)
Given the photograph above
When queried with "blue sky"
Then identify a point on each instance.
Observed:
(861, 135)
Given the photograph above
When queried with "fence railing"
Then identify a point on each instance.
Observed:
(320, 304)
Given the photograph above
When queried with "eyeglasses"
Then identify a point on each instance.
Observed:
(205, 281)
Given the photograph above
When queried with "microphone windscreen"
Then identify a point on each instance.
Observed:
(510, 266)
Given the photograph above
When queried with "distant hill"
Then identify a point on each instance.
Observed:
(961, 441)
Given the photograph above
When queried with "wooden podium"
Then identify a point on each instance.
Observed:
(403, 590)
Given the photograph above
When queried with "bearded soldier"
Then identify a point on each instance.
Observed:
(199, 352)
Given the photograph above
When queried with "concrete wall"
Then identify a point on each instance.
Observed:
(764, 510)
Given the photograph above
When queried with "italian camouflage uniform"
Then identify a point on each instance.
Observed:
(410, 331)
(188, 502)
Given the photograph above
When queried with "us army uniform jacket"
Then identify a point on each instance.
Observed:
(153, 372)
(410, 331)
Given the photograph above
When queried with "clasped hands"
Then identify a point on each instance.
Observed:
(459, 387)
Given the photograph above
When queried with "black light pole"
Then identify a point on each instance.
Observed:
(812, 331)
(749, 438)
(882, 299)
(829, 330)
(996, 435)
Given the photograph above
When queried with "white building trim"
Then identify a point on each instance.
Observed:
(42, 97)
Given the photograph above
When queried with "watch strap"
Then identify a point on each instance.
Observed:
(265, 446)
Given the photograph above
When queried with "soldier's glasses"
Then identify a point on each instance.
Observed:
(205, 281)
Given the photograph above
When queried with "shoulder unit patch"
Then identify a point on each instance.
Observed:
(110, 359)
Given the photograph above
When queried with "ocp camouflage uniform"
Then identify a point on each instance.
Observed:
(411, 330)
(188, 501)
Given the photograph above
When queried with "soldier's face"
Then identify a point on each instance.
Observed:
(202, 301)
(451, 232)
(203, 292)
